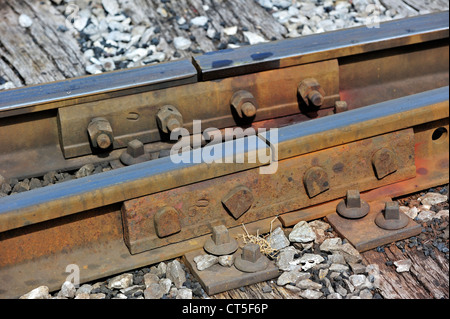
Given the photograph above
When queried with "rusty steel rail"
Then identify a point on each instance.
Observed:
(360, 66)
(390, 137)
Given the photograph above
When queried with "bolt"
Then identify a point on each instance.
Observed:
(251, 252)
(166, 221)
(316, 181)
(238, 201)
(353, 206)
(244, 104)
(315, 98)
(169, 118)
(353, 199)
(311, 92)
(220, 243)
(384, 162)
(135, 153)
(100, 133)
(251, 259)
(391, 211)
(248, 109)
(220, 235)
(340, 106)
(103, 141)
(391, 218)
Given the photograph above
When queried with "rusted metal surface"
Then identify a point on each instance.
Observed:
(391, 218)
(238, 201)
(365, 234)
(330, 45)
(250, 259)
(93, 241)
(384, 162)
(353, 206)
(136, 116)
(311, 92)
(217, 278)
(431, 158)
(146, 178)
(200, 204)
(316, 181)
(167, 222)
(220, 243)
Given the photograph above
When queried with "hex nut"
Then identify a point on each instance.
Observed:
(244, 103)
(311, 92)
(169, 118)
(100, 133)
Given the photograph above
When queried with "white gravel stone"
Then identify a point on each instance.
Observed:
(161, 269)
(308, 284)
(68, 289)
(176, 273)
(277, 239)
(25, 21)
(302, 233)
(226, 260)
(365, 294)
(199, 21)
(426, 215)
(153, 291)
(336, 258)
(184, 293)
(433, 199)
(357, 280)
(291, 277)
(403, 265)
(253, 38)
(84, 289)
(285, 258)
(205, 261)
(165, 285)
(412, 212)
(442, 213)
(338, 268)
(82, 295)
(311, 294)
(181, 43)
(310, 260)
(374, 270)
(37, 293)
(331, 244)
(334, 295)
(150, 278)
(111, 6)
(97, 296)
(121, 281)
(230, 30)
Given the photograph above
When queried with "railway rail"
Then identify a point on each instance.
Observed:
(361, 108)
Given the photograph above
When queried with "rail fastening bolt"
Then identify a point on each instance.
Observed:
(353, 206)
(251, 259)
(135, 153)
(391, 218)
(220, 243)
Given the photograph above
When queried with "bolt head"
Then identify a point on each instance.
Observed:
(135, 148)
(244, 103)
(251, 252)
(100, 133)
(384, 162)
(315, 98)
(220, 235)
(353, 199)
(340, 106)
(316, 181)
(391, 211)
(103, 141)
(169, 118)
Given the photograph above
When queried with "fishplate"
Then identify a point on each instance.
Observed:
(248, 196)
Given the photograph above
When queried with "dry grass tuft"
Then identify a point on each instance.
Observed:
(260, 240)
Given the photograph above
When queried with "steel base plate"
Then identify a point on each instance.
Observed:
(217, 278)
(364, 234)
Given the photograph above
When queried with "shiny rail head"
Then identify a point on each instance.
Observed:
(96, 87)
(329, 45)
